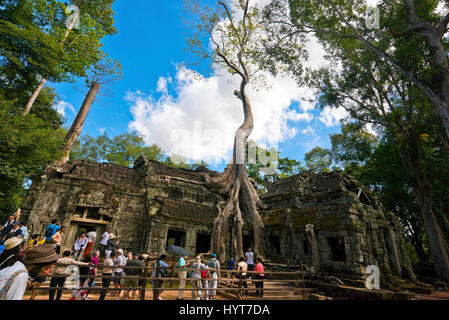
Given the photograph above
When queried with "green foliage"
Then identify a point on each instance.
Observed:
(284, 168)
(319, 160)
(177, 161)
(35, 42)
(122, 150)
(27, 145)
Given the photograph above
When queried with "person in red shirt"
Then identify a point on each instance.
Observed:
(259, 271)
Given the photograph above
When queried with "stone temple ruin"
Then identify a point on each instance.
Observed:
(152, 206)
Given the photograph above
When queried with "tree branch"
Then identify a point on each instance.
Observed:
(419, 27)
(442, 26)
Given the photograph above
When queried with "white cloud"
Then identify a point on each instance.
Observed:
(309, 131)
(201, 121)
(331, 116)
(162, 84)
(61, 107)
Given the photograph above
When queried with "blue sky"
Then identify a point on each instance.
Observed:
(149, 45)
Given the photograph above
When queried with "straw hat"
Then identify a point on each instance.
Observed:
(13, 242)
(42, 254)
(112, 236)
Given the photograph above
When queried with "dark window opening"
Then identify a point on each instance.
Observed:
(275, 244)
(176, 238)
(360, 194)
(306, 246)
(92, 213)
(337, 246)
(175, 194)
(107, 218)
(247, 242)
(79, 211)
(364, 199)
(202, 243)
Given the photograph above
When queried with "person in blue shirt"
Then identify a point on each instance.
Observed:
(160, 271)
(51, 230)
(15, 231)
(7, 227)
(231, 266)
(182, 275)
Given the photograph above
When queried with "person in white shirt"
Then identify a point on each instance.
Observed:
(242, 268)
(61, 272)
(36, 261)
(250, 261)
(91, 236)
(104, 241)
(119, 262)
(24, 232)
(79, 247)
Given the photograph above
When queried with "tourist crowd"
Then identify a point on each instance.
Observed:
(27, 263)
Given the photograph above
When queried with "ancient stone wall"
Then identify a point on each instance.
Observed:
(353, 231)
(152, 206)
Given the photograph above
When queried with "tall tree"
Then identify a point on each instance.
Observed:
(284, 168)
(409, 21)
(374, 92)
(25, 51)
(376, 163)
(234, 35)
(318, 160)
(104, 72)
(27, 145)
(78, 35)
(122, 149)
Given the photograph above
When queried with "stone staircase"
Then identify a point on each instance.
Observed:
(274, 290)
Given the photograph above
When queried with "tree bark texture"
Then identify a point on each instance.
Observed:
(77, 125)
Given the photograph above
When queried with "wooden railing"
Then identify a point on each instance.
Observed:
(231, 288)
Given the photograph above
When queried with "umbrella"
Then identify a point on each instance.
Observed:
(177, 250)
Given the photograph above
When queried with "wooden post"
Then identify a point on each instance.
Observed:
(303, 283)
(144, 281)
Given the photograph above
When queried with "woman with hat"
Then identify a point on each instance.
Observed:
(36, 261)
(11, 252)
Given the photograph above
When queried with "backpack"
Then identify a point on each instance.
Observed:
(203, 274)
(212, 264)
(50, 231)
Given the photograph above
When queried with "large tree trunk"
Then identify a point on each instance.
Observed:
(314, 246)
(423, 193)
(44, 79)
(419, 248)
(34, 96)
(242, 198)
(77, 125)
